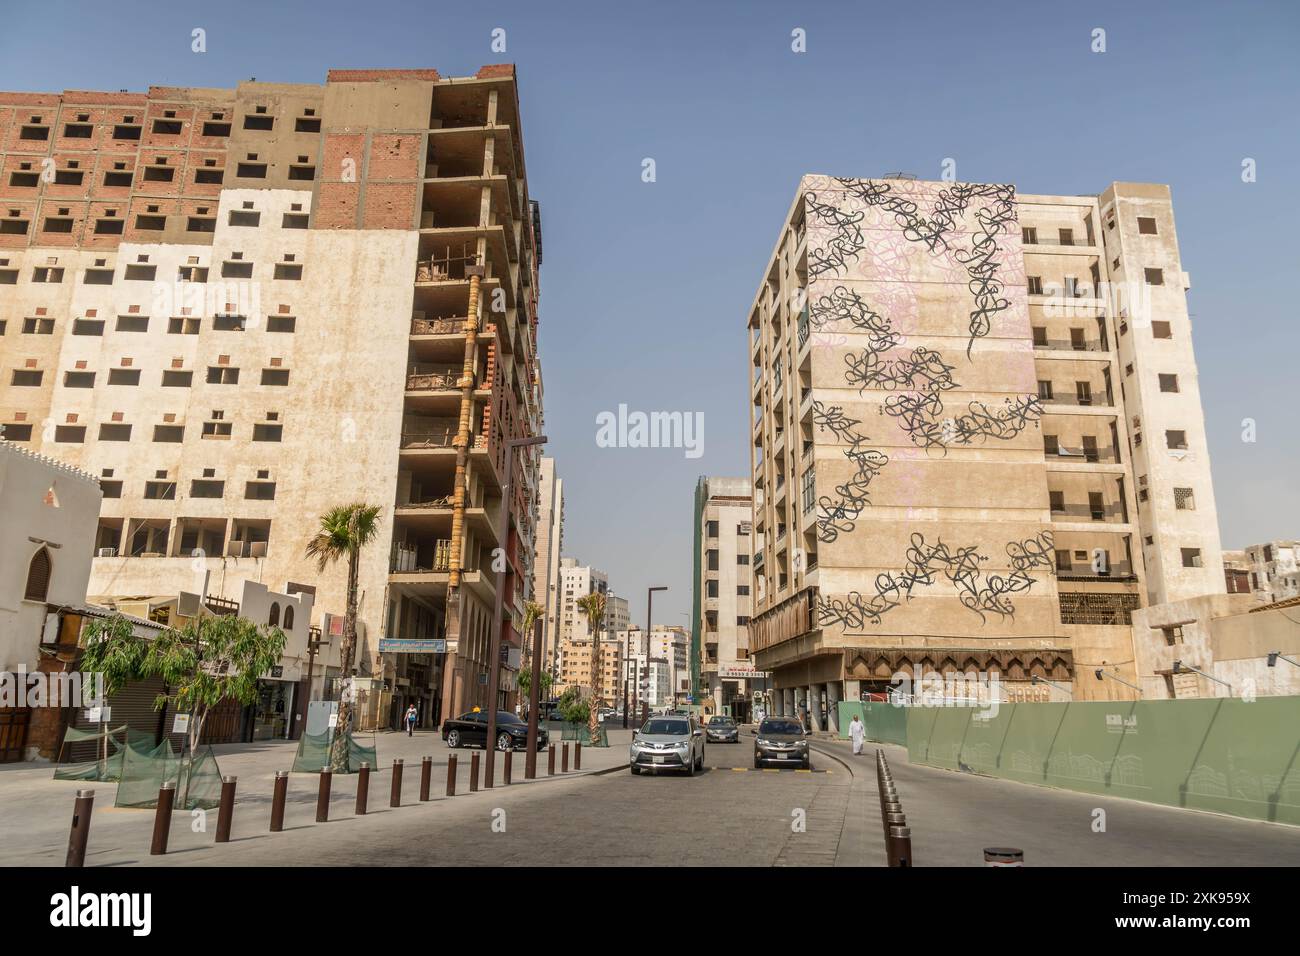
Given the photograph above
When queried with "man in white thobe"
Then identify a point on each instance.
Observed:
(857, 734)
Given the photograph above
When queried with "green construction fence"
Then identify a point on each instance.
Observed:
(1221, 754)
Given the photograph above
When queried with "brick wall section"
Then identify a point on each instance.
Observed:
(394, 156)
(390, 205)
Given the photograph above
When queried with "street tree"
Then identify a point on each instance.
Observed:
(593, 605)
(344, 531)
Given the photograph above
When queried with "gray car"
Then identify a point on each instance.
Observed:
(722, 730)
(667, 743)
(783, 741)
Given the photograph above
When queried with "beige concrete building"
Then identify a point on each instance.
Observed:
(575, 669)
(1218, 645)
(723, 599)
(577, 581)
(546, 571)
(241, 307)
(1271, 570)
(977, 438)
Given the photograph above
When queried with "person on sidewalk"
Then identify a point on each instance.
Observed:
(412, 715)
(857, 734)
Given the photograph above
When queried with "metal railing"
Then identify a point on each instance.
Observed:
(437, 326)
(1069, 345)
(1100, 455)
(1103, 513)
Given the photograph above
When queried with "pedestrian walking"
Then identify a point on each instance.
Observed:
(412, 715)
(857, 733)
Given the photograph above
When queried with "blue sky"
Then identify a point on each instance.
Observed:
(646, 286)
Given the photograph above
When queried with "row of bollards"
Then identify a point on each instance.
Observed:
(898, 835)
(79, 834)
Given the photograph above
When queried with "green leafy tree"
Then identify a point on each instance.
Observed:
(573, 709)
(593, 605)
(344, 531)
(525, 680)
(205, 661)
(115, 653)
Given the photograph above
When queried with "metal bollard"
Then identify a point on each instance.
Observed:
(1003, 856)
(162, 819)
(577, 755)
(899, 847)
(564, 757)
(80, 831)
(505, 768)
(323, 796)
(550, 760)
(473, 773)
(451, 775)
(363, 788)
(893, 819)
(226, 811)
(277, 800)
(426, 777)
(395, 794)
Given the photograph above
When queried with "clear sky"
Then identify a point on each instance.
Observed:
(645, 287)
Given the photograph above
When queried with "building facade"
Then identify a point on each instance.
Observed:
(575, 669)
(241, 307)
(550, 544)
(977, 439)
(577, 581)
(1269, 571)
(723, 599)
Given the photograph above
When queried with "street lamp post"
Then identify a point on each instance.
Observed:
(494, 649)
(530, 762)
(649, 604)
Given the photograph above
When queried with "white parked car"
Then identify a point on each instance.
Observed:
(667, 743)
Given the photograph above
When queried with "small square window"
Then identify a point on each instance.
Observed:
(1154, 276)
(1146, 226)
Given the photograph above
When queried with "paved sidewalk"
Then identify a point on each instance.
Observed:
(38, 809)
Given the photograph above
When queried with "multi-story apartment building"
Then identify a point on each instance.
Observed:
(978, 444)
(577, 581)
(722, 600)
(550, 542)
(575, 668)
(241, 307)
(617, 614)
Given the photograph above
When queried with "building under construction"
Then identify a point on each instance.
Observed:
(241, 307)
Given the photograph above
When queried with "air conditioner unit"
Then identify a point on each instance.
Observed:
(106, 553)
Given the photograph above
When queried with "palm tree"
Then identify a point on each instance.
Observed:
(593, 605)
(532, 611)
(344, 531)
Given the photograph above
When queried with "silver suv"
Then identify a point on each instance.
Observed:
(667, 743)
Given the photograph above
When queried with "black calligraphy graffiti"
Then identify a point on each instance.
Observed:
(838, 513)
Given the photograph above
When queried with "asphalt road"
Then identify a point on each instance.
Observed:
(730, 814)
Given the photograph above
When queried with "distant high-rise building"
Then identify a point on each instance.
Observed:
(723, 602)
(550, 544)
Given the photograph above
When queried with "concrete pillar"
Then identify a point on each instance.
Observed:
(815, 692)
(833, 706)
(789, 702)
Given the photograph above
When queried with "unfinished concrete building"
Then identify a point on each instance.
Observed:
(978, 443)
(241, 307)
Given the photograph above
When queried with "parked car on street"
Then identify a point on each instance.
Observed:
(722, 729)
(781, 740)
(667, 743)
(470, 730)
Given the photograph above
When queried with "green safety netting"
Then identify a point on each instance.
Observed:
(109, 744)
(582, 734)
(314, 750)
(196, 777)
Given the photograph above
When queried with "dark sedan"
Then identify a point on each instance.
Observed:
(722, 730)
(470, 730)
(781, 740)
